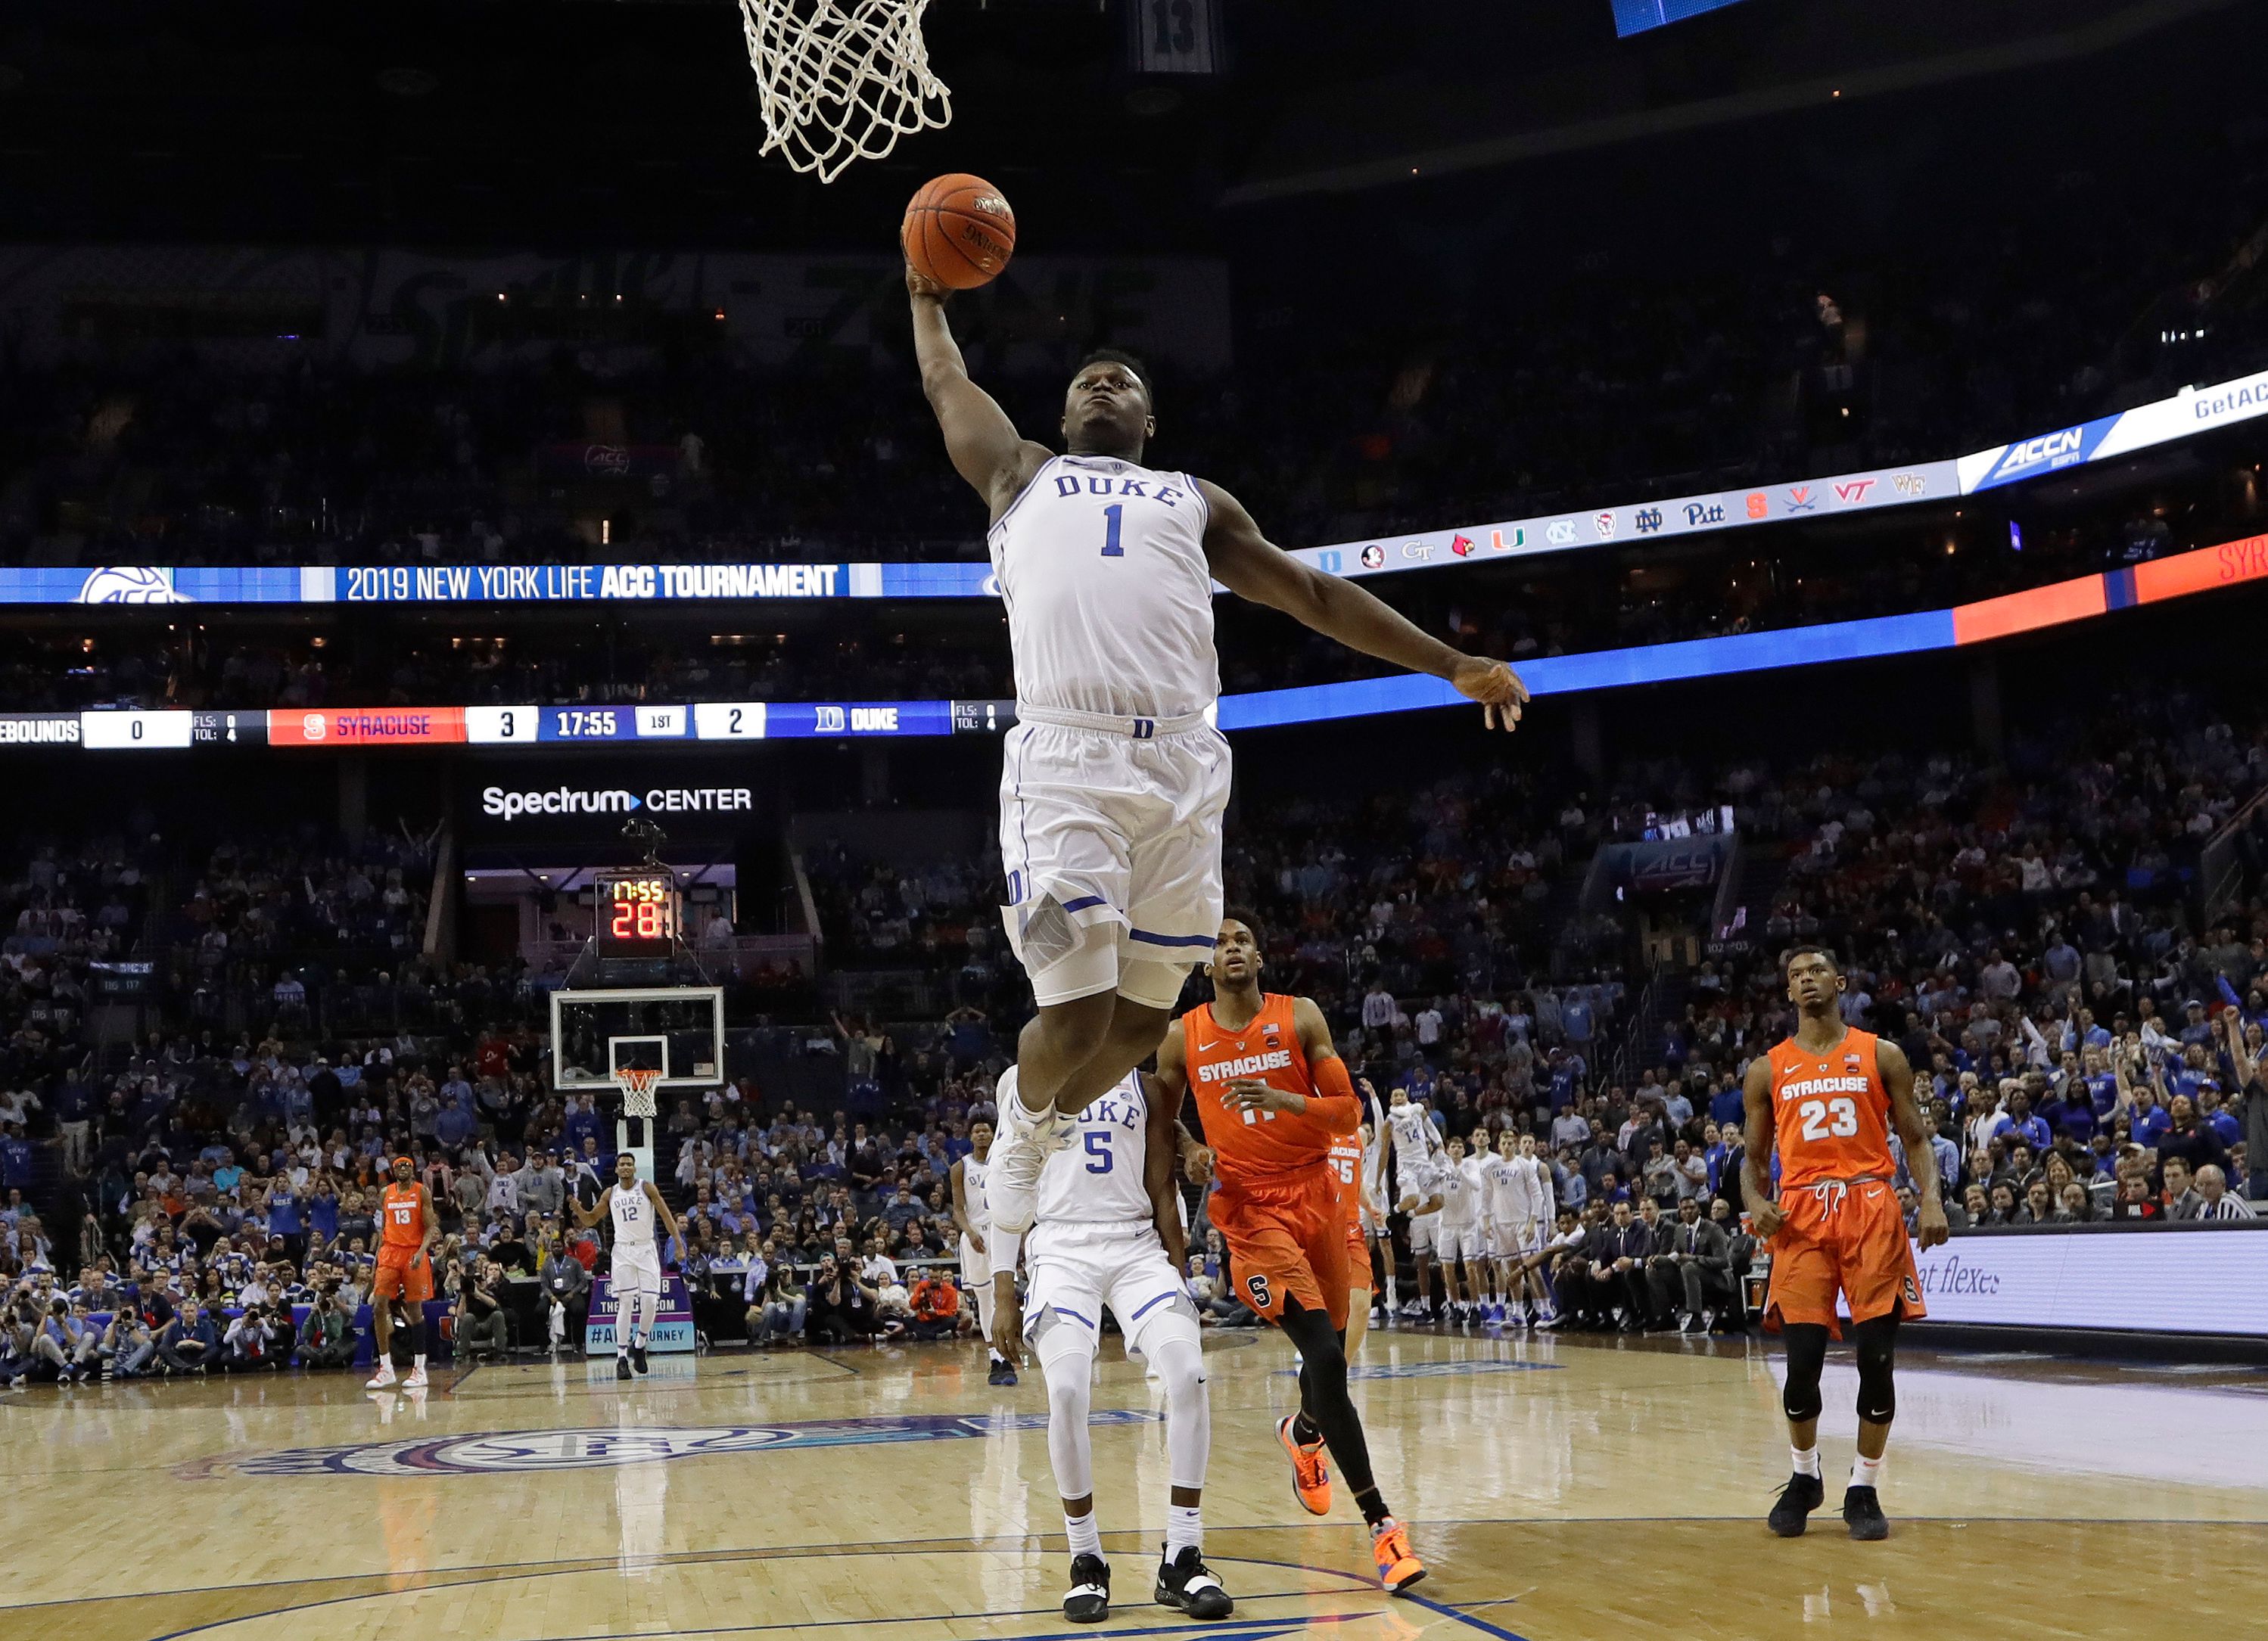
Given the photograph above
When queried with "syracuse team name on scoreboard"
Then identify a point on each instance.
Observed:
(510, 583)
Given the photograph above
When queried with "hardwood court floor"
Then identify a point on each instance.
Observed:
(1560, 1489)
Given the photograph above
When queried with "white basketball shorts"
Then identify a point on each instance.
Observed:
(1454, 1243)
(976, 1267)
(1076, 1270)
(1424, 1232)
(636, 1270)
(1110, 839)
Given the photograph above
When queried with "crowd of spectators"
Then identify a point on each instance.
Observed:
(2087, 1045)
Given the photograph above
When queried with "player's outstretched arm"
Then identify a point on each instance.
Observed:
(1921, 1157)
(598, 1208)
(1251, 566)
(1758, 1136)
(984, 443)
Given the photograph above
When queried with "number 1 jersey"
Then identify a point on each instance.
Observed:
(1101, 565)
(1830, 1112)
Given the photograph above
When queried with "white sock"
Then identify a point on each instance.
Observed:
(418, 1359)
(1807, 1460)
(1184, 1527)
(1865, 1472)
(1086, 1537)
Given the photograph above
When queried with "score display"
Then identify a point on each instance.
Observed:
(638, 914)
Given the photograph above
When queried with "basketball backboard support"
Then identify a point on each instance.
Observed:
(676, 1030)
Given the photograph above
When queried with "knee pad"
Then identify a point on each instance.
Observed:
(1180, 1362)
(1807, 1356)
(1878, 1402)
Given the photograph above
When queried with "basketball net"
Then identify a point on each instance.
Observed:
(839, 82)
(637, 1084)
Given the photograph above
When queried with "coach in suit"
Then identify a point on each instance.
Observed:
(1698, 1265)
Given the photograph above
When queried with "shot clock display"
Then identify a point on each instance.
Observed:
(638, 914)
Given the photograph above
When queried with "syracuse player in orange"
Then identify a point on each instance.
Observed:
(406, 1230)
(1350, 1166)
(1271, 1095)
(1826, 1098)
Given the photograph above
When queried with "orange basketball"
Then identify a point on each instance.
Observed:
(958, 231)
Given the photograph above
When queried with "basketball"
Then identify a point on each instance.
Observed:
(958, 231)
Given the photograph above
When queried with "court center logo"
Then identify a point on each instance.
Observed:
(495, 1453)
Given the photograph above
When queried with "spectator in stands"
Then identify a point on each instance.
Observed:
(326, 1336)
(2216, 1202)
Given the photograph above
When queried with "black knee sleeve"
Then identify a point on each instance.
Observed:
(1806, 1355)
(1876, 1340)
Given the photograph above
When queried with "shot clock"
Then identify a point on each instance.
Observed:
(638, 914)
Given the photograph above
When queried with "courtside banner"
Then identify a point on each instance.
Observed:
(672, 1326)
(2210, 1280)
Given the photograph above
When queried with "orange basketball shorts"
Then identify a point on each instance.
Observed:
(1849, 1238)
(1287, 1240)
(404, 1273)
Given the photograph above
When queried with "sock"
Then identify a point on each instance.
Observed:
(1184, 1527)
(1305, 1431)
(1807, 1460)
(1086, 1537)
(1865, 1472)
(419, 1359)
(1373, 1507)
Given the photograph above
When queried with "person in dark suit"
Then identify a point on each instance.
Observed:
(1697, 1269)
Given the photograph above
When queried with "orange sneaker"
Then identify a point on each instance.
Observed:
(1311, 1481)
(1398, 1566)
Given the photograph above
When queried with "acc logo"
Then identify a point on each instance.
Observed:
(1699, 513)
(1498, 544)
(1560, 531)
(1851, 492)
(1800, 498)
(1758, 506)
(515, 1452)
(136, 584)
(1604, 524)
(1648, 519)
(1372, 556)
(612, 459)
(1911, 483)
(1460, 545)
(1258, 1287)
(1417, 549)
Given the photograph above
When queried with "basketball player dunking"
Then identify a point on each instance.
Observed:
(407, 1230)
(1271, 1095)
(1826, 1098)
(1113, 783)
(966, 1179)
(635, 1277)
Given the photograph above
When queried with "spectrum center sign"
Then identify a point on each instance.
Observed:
(502, 804)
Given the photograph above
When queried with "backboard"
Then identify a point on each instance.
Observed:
(676, 1030)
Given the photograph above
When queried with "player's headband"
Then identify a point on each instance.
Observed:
(403, 1162)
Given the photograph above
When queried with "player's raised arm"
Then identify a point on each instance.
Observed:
(1913, 1130)
(984, 443)
(1757, 1137)
(1336, 1106)
(598, 1208)
(1251, 566)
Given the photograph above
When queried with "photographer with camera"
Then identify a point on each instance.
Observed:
(481, 1324)
(327, 1337)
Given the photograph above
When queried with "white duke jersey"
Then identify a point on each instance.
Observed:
(1097, 1178)
(1535, 1185)
(633, 1217)
(1101, 565)
(972, 1191)
(1461, 1187)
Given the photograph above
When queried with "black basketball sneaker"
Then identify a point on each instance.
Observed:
(1089, 1601)
(1862, 1513)
(1791, 1512)
(1188, 1585)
